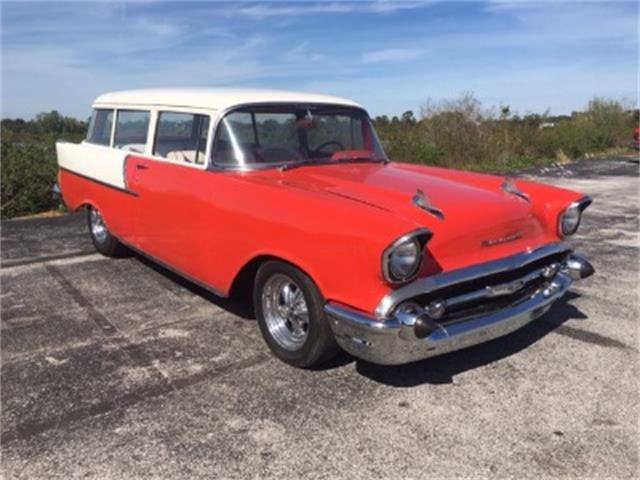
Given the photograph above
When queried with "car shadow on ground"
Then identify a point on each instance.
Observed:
(442, 369)
(237, 306)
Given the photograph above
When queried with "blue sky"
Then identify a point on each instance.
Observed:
(390, 56)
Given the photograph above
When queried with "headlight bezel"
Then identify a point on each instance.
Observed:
(419, 237)
(578, 207)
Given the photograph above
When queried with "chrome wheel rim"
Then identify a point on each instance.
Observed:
(285, 312)
(98, 228)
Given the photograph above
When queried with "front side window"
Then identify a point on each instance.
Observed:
(131, 130)
(288, 134)
(182, 137)
(100, 127)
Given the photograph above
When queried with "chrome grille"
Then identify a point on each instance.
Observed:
(494, 292)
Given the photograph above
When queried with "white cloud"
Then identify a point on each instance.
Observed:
(156, 28)
(392, 55)
(302, 53)
(264, 10)
(566, 20)
(389, 6)
(278, 10)
(62, 56)
(528, 89)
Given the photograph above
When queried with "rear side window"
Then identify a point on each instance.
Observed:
(131, 130)
(182, 137)
(100, 127)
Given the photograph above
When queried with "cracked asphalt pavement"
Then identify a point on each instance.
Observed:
(120, 369)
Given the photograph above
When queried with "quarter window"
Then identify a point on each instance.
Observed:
(182, 137)
(100, 127)
(131, 130)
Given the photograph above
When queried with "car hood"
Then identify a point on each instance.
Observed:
(479, 221)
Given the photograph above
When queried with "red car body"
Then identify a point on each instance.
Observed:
(332, 221)
(338, 220)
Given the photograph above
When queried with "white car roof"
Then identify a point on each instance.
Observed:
(212, 98)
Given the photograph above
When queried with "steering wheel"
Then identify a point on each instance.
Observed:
(326, 144)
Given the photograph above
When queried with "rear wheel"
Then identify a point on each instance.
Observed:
(289, 309)
(102, 239)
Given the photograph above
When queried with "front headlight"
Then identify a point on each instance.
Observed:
(569, 219)
(402, 259)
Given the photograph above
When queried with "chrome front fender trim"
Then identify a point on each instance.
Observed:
(423, 235)
(444, 279)
(581, 204)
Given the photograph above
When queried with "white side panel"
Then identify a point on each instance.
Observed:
(95, 161)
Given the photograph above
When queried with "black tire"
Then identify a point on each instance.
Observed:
(105, 243)
(319, 344)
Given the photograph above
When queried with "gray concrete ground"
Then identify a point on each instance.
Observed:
(118, 369)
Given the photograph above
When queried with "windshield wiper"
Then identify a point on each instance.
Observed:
(302, 163)
(316, 161)
(363, 159)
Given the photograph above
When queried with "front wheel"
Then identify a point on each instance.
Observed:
(102, 239)
(289, 309)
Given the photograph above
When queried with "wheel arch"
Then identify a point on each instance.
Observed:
(243, 281)
(85, 205)
(90, 204)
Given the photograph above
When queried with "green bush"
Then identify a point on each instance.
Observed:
(29, 165)
(28, 173)
(458, 133)
(461, 133)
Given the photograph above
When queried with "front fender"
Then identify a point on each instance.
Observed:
(336, 241)
(548, 202)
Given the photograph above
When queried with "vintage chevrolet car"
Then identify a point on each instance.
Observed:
(290, 196)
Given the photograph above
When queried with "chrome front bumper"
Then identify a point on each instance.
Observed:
(398, 339)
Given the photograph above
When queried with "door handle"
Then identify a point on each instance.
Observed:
(142, 166)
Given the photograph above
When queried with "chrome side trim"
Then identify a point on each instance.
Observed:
(444, 279)
(99, 182)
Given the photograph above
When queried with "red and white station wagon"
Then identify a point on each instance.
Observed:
(290, 195)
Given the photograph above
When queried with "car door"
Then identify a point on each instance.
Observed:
(172, 218)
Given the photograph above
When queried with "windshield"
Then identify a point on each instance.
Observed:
(260, 136)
